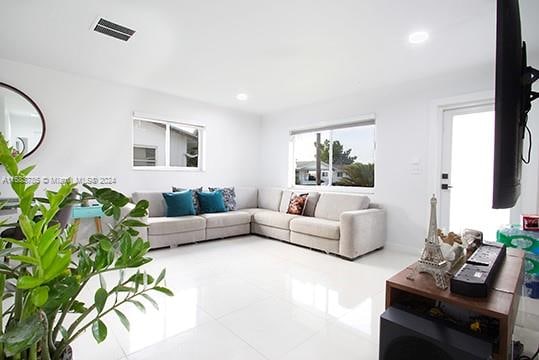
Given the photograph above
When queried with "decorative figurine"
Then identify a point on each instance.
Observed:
(450, 238)
(432, 260)
(452, 249)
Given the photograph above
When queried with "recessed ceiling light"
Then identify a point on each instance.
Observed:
(418, 37)
(242, 97)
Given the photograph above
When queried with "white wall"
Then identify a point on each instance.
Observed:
(89, 134)
(402, 137)
(89, 128)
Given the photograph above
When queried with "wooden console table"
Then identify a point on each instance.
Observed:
(501, 304)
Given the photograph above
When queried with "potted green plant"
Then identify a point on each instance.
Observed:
(43, 273)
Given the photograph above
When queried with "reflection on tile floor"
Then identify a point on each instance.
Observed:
(255, 298)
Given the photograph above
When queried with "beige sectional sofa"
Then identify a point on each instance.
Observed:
(343, 224)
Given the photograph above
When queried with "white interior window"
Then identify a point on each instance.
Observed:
(162, 144)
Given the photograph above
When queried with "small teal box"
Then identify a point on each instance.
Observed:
(82, 212)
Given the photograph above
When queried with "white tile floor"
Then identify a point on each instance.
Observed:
(255, 298)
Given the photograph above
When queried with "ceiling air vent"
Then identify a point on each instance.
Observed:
(112, 29)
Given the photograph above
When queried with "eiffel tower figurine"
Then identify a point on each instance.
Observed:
(432, 260)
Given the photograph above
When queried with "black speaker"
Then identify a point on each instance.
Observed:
(405, 336)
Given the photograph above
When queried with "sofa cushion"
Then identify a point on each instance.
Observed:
(227, 219)
(157, 205)
(171, 225)
(274, 219)
(246, 197)
(179, 203)
(269, 199)
(330, 205)
(253, 211)
(328, 229)
(310, 206)
(285, 200)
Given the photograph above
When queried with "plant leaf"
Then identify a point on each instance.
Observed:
(100, 299)
(134, 223)
(40, 295)
(26, 226)
(151, 301)
(161, 276)
(28, 282)
(24, 259)
(59, 265)
(99, 330)
(141, 279)
(123, 319)
(121, 288)
(23, 335)
(164, 290)
(139, 305)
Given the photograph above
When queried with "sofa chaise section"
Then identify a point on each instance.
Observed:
(343, 224)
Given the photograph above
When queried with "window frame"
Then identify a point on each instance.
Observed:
(359, 120)
(167, 122)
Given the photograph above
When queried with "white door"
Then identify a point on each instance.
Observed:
(467, 170)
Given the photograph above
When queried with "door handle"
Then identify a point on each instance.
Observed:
(446, 187)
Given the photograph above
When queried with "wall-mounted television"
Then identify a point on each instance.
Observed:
(514, 79)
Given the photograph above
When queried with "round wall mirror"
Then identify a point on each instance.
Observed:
(21, 121)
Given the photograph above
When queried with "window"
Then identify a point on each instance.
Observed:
(348, 161)
(160, 144)
(144, 156)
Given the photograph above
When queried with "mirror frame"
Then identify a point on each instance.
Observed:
(32, 102)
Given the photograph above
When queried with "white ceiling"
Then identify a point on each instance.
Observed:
(283, 53)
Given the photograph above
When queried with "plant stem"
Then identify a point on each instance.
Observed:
(33, 352)
(45, 351)
(18, 304)
(65, 311)
(88, 324)
(91, 308)
(2, 289)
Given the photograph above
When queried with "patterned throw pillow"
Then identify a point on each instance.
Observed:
(195, 197)
(297, 203)
(229, 194)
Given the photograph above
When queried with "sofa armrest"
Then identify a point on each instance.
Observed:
(362, 231)
(143, 231)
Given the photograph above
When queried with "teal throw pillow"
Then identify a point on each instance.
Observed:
(211, 202)
(179, 203)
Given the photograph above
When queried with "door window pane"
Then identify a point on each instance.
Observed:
(472, 159)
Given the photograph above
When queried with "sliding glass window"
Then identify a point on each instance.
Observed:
(339, 155)
(160, 144)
